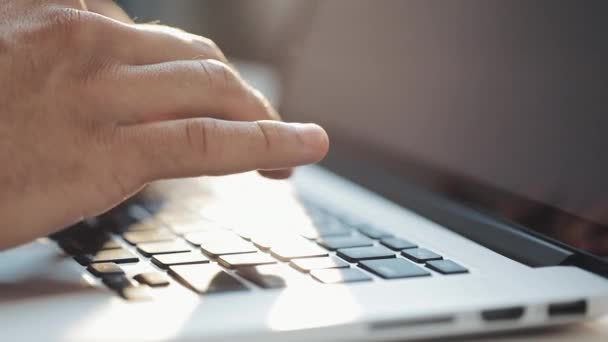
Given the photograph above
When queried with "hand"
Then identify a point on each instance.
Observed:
(92, 109)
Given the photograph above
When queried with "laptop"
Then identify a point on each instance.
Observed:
(465, 193)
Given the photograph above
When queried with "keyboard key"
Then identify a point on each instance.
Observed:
(172, 215)
(243, 233)
(152, 279)
(166, 247)
(206, 278)
(374, 233)
(309, 264)
(127, 288)
(198, 238)
(365, 253)
(446, 267)
(334, 243)
(243, 260)
(125, 219)
(75, 247)
(297, 248)
(397, 244)
(143, 226)
(81, 228)
(105, 269)
(118, 282)
(393, 268)
(148, 236)
(272, 276)
(136, 293)
(420, 254)
(188, 258)
(267, 240)
(200, 225)
(233, 245)
(341, 275)
(327, 228)
(119, 256)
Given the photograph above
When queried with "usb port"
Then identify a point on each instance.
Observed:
(503, 314)
(578, 307)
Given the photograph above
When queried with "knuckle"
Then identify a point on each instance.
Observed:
(70, 23)
(212, 49)
(70, 27)
(196, 132)
(269, 131)
(220, 74)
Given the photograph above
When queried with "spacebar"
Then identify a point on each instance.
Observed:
(206, 278)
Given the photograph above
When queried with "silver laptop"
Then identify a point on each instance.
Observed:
(465, 193)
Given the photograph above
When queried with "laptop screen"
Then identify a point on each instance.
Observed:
(501, 103)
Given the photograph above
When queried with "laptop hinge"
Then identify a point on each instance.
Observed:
(501, 237)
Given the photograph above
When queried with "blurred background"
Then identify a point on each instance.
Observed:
(252, 30)
(256, 35)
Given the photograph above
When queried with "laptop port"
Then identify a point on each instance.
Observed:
(578, 307)
(504, 314)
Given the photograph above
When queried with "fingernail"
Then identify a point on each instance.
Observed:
(314, 137)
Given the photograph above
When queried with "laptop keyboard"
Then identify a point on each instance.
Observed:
(207, 258)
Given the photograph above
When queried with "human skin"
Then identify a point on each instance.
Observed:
(94, 107)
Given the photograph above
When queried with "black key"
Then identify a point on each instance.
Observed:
(297, 248)
(188, 258)
(148, 236)
(153, 279)
(119, 256)
(127, 288)
(229, 245)
(118, 282)
(397, 244)
(268, 240)
(143, 226)
(71, 231)
(351, 221)
(83, 237)
(309, 264)
(244, 260)
(394, 268)
(334, 243)
(198, 238)
(74, 247)
(317, 233)
(365, 253)
(243, 233)
(136, 293)
(166, 247)
(173, 215)
(420, 254)
(121, 218)
(192, 226)
(327, 228)
(340, 275)
(271, 276)
(374, 233)
(206, 278)
(105, 269)
(446, 267)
